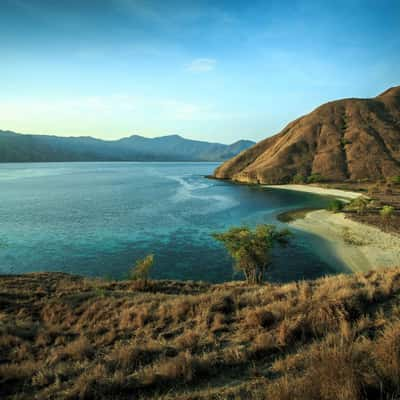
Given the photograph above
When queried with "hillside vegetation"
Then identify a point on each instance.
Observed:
(344, 140)
(69, 337)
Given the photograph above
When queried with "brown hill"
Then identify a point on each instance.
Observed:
(349, 139)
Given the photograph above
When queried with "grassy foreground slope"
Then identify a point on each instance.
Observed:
(68, 337)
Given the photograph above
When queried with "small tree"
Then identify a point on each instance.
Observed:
(359, 204)
(142, 268)
(251, 249)
(387, 213)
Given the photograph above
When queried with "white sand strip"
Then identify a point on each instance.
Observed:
(374, 249)
(342, 194)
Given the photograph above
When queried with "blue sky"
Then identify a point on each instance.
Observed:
(208, 70)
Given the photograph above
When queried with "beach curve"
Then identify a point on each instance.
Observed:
(359, 246)
(338, 193)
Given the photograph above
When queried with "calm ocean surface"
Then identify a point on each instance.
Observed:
(97, 218)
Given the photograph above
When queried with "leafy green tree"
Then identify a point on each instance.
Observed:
(142, 268)
(251, 249)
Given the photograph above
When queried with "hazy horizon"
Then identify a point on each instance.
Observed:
(217, 72)
(121, 137)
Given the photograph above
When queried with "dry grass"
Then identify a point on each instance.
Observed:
(391, 226)
(68, 337)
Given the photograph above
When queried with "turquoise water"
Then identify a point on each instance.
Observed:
(97, 218)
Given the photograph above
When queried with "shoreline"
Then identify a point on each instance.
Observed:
(361, 247)
(338, 193)
(358, 246)
(346, 245)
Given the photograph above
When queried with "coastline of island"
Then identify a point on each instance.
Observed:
(359, 246)
(340, 194)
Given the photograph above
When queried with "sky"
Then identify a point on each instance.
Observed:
(207, 70)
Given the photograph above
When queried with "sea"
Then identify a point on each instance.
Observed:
(97, 219)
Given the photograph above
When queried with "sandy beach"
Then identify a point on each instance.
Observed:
(359, 247)
(340, 194)
(370, 248)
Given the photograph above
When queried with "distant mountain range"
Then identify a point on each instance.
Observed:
(343, 140)
(15, 147)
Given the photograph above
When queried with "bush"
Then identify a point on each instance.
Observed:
(299, 179)
(315, 178)
(360, 205)
(335, 206)
(142, 268)
(387, 213)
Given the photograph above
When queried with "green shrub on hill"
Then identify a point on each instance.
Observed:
(387, 213)
(360, 205)
(315, 178)
(299, 179)
(336, 205)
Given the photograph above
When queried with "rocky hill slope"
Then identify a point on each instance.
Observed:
(344, 140)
